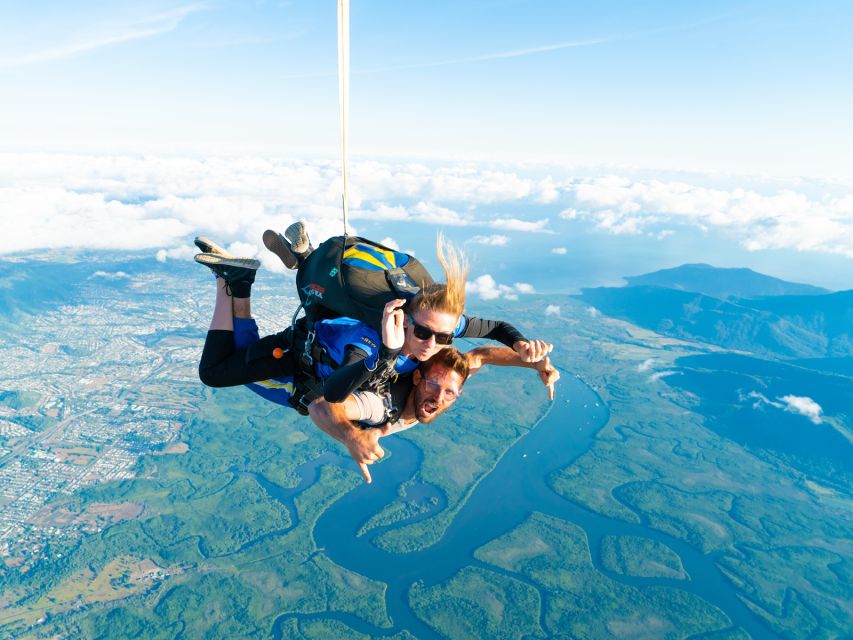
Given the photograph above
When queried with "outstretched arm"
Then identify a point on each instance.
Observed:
(505, 357)
(336, 420)
(504, 332)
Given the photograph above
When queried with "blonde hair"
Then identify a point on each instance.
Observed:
(450, 296)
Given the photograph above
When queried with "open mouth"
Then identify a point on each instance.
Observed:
(429, 408)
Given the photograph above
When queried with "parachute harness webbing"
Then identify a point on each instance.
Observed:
(343, 94)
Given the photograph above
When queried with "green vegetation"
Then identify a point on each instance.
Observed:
(657, 462)
(232, 560)
(583, 603)
(476, 603)
(641, 557)
(323, 629)
(395, 512)
(199, 512)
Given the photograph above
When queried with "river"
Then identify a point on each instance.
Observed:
(518, 483)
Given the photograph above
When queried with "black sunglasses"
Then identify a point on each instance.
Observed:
(425, 333)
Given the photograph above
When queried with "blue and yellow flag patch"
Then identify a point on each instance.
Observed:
(372, 258)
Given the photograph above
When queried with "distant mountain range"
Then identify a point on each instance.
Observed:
(722, 283)
(734, 308)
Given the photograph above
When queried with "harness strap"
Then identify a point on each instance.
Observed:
(306, 387)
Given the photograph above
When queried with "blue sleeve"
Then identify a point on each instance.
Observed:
(460, 326)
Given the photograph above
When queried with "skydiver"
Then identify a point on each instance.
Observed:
(229, 360)
(433, 318)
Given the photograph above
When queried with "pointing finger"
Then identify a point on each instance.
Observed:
(365, 472)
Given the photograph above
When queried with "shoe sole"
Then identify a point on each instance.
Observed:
(296, 235)
(275, 243)
(209, 246)
(228, 261)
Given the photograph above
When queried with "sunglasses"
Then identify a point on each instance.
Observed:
(425, 333)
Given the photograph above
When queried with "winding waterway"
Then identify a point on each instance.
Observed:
(518, 483)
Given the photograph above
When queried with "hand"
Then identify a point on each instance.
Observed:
(363, 446)
(393, 334)
(548, 374)
(532, 350)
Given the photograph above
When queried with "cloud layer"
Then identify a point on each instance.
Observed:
(785, 219)
(159, 203)
(125, 202)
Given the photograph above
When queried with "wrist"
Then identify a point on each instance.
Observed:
(388, 354)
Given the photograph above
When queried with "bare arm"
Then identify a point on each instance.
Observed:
(335, 419)
(505, 357)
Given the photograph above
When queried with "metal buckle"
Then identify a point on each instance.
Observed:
(307, 358)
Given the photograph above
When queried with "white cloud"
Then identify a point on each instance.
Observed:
(646, 365)
(785, 219)
(799, 405)
(760, 400)
(524, 287)
(663, 374)
(390, 243)
(118, 275)
(160, 203)
(593, 312)
(514, 224)
(493, 240)
(486, 287)
(803, 406)
(552, 310)
(184, 252)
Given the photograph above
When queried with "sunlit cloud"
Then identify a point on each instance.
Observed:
(106, 275)
(803, 406)
(646, 365)
(515, 224)
(493, 240)
(159, 203)
(786, 219)
(799, 405)
(487, 288)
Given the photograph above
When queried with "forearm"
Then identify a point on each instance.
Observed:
(335, 419)
(497, 356)
(503, 357)
(496, 330)
(355, 372)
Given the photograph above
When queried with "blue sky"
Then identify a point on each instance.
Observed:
(755, 87)
(611, 137)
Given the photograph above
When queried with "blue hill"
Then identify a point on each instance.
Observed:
(804, 325)
(722, 283)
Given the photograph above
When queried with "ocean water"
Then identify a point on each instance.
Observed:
(744, 399)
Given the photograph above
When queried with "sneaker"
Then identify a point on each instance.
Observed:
(209, 246)
(297, 236)
(238, 273)
(276, 243)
